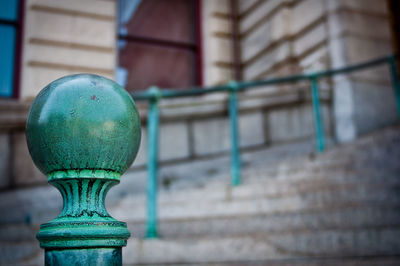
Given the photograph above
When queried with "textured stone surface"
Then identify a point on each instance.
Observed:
(251, 129)
(174, 141)
(217, 138)
(256, 41)
(309, 40)
(214, 29)
(264, 247)
(305, 13)
(295, 123)
(24, 171)
(12, 115)
(265, 34)
(356, 35)
(141, 158)
(245, 5)
(4, 160)
(267, 60)
(371, 6)
(339, 205)
(376, 107)
(63, 39)
(263, 10)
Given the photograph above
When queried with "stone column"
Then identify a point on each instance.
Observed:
(358, 32)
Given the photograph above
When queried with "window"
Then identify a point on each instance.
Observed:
(10, 24)
(158, 44)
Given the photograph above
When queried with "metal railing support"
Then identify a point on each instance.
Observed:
(233, 119)
(154, 94)
(152, 162)
(395, 81)
(83, 132)
(319, 128)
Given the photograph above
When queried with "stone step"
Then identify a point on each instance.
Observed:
(349, 261)
(280, 250)
(18, 232)
(240, 201)
(339, 171)
(33, 205)
(342, 195)
(338, 218)
(346, 216)
(264, 247)
(20, 207)
(373, 154)
(48, 203)
(21, 253)
(338, 164)
(343, 203)
(264, 187)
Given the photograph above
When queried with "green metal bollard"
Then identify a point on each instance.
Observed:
(233, 118)
(317, 115)
(395, 81)
(152, 161)
(83, 132)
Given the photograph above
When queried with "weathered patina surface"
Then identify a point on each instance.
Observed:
(83, 132)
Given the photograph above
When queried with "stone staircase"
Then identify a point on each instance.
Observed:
(338, 208)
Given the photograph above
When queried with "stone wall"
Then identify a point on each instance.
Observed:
(16, 166)
(284, 37)
(359, 31)
(59, 38)
(196, 128)
(66, 37)
(217, 44)
(277, 38)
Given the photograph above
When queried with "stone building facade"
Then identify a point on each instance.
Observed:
(240, 39)
(237, 40)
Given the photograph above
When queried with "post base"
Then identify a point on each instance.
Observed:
(87, 256)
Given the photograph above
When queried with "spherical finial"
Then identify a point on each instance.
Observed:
(83, 126)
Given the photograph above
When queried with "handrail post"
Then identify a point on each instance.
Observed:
(233, 118)
(152, 162)
(83, 132)
(395, 80)
(317, 114)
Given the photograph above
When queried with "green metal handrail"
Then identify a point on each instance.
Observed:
(154, 95)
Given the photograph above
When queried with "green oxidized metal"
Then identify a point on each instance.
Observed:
(83, 132)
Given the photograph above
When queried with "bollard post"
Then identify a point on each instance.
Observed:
(233, 118)
(152, 161)
(317, 114)
(83, 132)
(395, 81)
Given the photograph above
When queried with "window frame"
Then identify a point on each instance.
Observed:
(19, 27)
(195, 47)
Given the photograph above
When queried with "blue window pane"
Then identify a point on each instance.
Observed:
(7, 51)
(9, 9)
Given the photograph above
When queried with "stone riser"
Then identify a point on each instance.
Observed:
(342, 196)
(343, 203)
(263, 187)
(376, 164)
(351, 261)
(320, 244)
(29, 253)
(335, 218)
